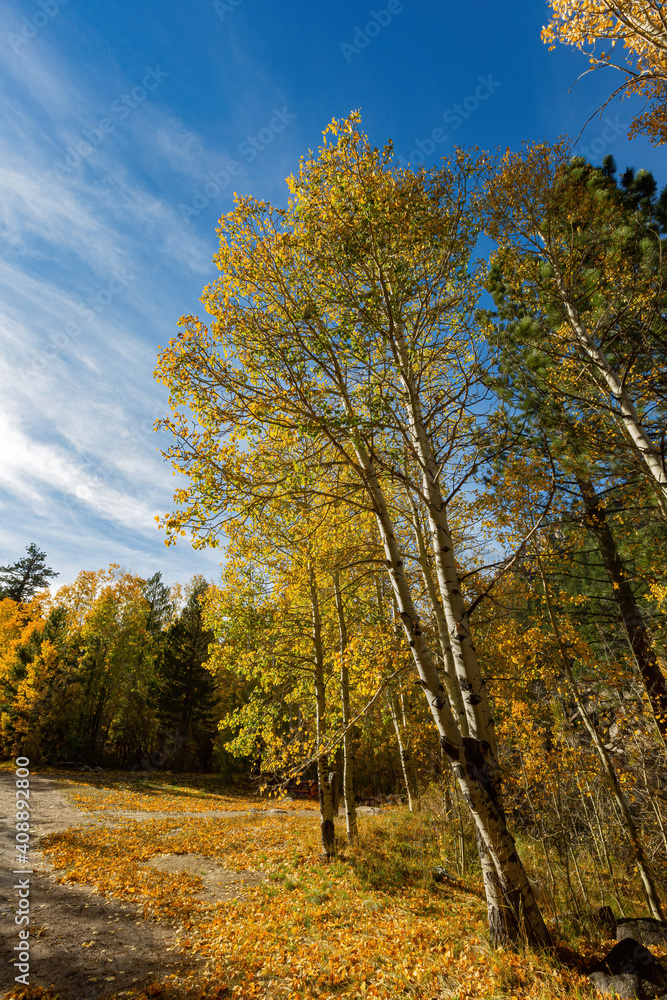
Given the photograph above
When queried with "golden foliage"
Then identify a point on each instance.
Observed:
(609, 30)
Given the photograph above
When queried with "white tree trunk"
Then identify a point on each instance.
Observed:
(326, 801)
(408, 772)
(510, 899)
(452, 679)
(473, 687)
(348, 762)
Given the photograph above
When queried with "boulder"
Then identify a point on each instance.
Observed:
(644, 929)
(630, 971)
(648, 930)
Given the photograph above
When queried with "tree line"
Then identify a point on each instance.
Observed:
(106, 671)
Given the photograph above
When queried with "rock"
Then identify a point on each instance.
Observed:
(442, 877)
(98, 768)
(648, 930)
(630, 971)
(368, 810)
(644, 929)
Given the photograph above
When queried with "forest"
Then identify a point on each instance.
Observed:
(424, 423)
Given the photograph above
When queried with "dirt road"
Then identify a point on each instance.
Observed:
(83, 944)
(80, 942)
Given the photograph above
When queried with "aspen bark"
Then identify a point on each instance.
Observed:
(511, 903)
(473, 688)
(478, 712)
(410, 788)
(326, 802)
(412, 770)
(348, 760)
(649, 452)
(450, 676)
(409, 775)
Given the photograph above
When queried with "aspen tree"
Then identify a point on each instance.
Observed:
(347, 317)
(627, 35)
(348, 754)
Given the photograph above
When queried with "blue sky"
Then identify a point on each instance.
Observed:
(126, 129)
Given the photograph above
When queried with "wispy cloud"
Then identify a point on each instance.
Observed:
(32, 471)
(97, 264)
(94, 265)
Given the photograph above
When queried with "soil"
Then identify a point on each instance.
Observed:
(83, 944)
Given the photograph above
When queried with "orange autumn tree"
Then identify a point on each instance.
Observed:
(77, 669)
(627, 35)
(21, 629)
(548, 652)
(348, 317)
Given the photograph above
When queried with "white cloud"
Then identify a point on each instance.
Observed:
(32, 471)
(98, 265)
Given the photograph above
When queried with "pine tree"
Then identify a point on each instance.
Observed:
(19, 581)
(188, 697)
(557, 417)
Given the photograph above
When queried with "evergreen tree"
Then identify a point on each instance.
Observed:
(188, 697)
(580, 266)
(19, 581)
(557, 417)
(160, 606)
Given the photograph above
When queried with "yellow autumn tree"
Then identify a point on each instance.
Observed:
(77, 668)
(348, 317)
(627, 35)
